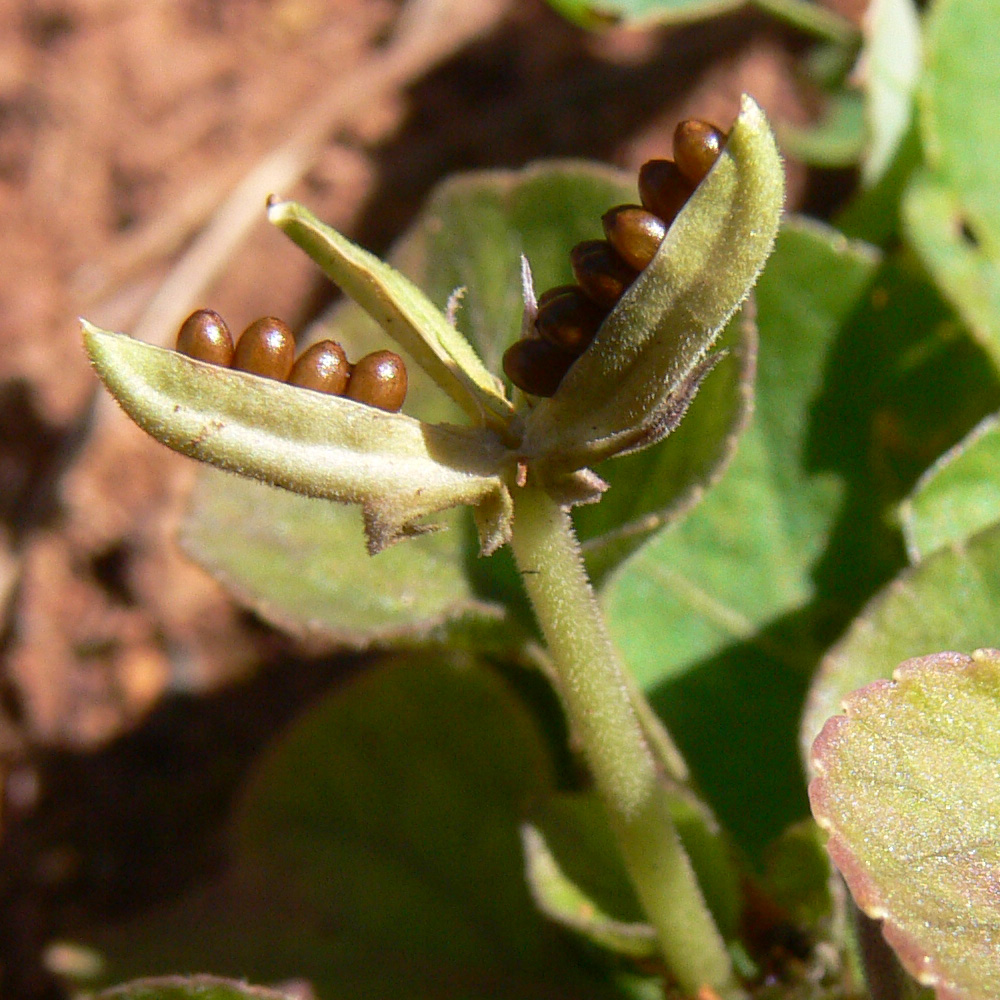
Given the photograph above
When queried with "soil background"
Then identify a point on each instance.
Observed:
(134, 693)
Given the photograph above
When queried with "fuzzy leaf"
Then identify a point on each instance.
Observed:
(908, 785)
(648, 349)
(959, 494)
(302, 564)
(947, 601)
(403, 311)
(397, 468)
(378, 853)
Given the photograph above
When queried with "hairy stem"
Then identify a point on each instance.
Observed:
(600, 709)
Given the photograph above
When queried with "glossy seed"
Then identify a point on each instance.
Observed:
(602, 275)
(536, 366)
(266, 347)
(635, 233)
(323, 367)
(663, 189)
(379, 379)
(569, 320)
(205, 337)
(553, 293)
(697, 146)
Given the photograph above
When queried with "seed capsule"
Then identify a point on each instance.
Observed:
(536, 366)
(323, 367)
(205, 337)
(379, 379)
(697, 146)
(634, 233)
(602, 275)
(266, 347)
(569, 320)
(663, 189)
(569, 315)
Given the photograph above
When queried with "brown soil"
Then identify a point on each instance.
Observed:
(124, 127)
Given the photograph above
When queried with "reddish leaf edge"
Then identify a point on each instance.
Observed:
(924, 968)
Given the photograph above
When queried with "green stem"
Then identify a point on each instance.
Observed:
(600, 710)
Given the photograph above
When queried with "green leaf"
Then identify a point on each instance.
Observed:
(378, 854)
(190, 988)
(968, 272)
(952, 212)
(647, 351)
(864, 378)
(804, 14)
(302, 564)
(577, 878)
(958, 496)
(313, 443)
(907, 784)
(874, 213)
(797, 874)
(959, 102)
(890, 68)
(948, 601)
(602, 13)
(836, 140)
(403, 311)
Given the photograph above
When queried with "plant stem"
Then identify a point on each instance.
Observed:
(600, 710)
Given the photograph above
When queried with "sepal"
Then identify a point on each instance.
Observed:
(632, 384)
(399, 470)
(403, 311)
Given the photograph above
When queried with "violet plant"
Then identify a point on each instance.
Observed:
(520, 468)
(855, 527)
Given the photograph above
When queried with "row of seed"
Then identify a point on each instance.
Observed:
(569, 315)
(266, 347)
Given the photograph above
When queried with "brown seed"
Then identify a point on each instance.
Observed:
(569, 320)
(379, 379)
(553, 293)
(603, 276)
(266, 347)
(323, 367)
(697, 146)
(663, 189)
(536, 366)
(634, 233)
(205, 337)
